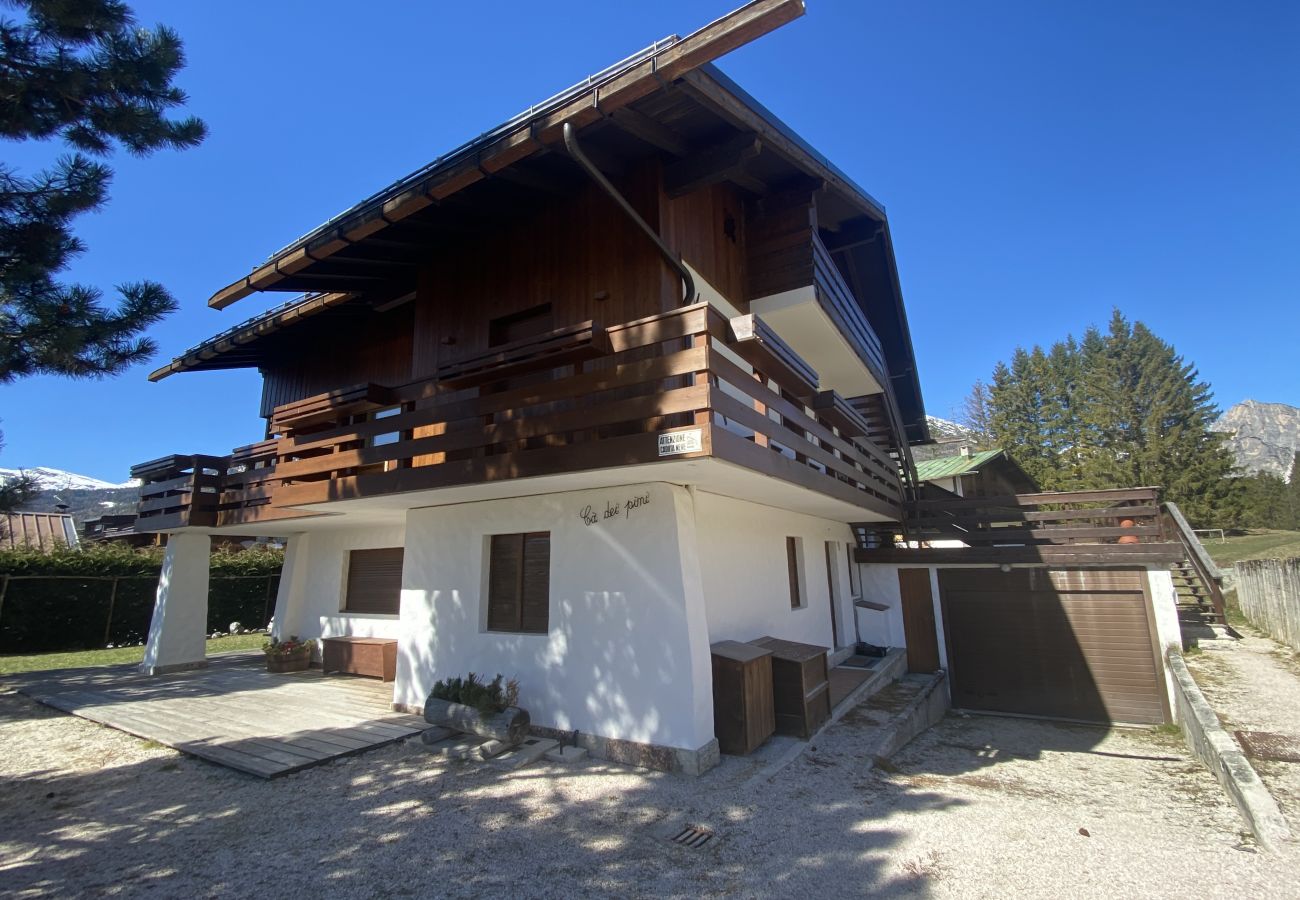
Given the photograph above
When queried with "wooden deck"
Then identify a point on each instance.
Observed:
(233, 712)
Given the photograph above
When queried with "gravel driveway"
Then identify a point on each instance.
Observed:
(1254, 685)
(977, 807)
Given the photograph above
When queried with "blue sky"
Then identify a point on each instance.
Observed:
(1040, 163)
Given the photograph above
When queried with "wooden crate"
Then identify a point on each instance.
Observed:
(743, 716)
(376, 657)
(801, 693)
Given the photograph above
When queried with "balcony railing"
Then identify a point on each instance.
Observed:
(682, 385)
(1120, 526)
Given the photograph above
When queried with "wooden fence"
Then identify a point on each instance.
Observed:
(1269, 593)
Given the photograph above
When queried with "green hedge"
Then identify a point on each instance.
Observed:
(56, 612)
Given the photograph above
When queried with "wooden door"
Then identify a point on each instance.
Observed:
(918, 620)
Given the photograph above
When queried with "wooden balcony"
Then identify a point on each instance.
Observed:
(1113, 527)
(684, 385)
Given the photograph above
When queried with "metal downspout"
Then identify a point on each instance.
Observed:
(571, 144)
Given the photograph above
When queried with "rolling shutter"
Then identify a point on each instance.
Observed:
(374, 581)
(519, 582)
(1071, 644)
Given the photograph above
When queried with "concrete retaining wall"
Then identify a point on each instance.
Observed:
(1268, 591)
(1220, 753)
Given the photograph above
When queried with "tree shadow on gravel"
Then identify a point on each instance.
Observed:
(400, 822)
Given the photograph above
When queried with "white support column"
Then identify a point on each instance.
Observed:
(180, 613)
(290, 600)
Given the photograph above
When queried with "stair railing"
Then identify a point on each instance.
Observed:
(1206, 569)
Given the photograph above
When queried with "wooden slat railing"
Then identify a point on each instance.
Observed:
(736, 392)
(837, 299)
(178, 490)
(1202, 564)
(1121, 516)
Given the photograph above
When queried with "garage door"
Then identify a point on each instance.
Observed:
(1072, 644)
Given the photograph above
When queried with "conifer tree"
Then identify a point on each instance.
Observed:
(82, 72)
(1118, 409)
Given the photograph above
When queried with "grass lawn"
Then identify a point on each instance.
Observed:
(1258, 544)
(39, 662)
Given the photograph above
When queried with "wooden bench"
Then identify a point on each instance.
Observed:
(376, 657)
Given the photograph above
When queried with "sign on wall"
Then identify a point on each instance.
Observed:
(617, 509)
(678, 442)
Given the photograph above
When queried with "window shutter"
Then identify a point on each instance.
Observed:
(536, 589)
(505, 569)
(374, 581)
(519, 582)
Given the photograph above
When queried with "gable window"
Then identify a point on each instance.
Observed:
(519, 582)
(374, 581)
(792, 562)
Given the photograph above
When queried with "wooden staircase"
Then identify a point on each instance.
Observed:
(1197, 579)
(1195, 602)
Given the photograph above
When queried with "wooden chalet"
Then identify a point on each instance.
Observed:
(625, 377)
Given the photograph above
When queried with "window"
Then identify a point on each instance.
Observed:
(519, 582)
(374, 581)
(792, 562)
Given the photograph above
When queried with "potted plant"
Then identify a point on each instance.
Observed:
(291, 655)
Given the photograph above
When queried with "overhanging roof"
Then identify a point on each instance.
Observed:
(953, 466)
(526, 135)
(242, 346)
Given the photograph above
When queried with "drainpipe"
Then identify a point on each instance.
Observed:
(571, 144)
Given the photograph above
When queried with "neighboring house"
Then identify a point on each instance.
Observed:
(119, 528)
(975, 473)
(627, 376)
(37, 530)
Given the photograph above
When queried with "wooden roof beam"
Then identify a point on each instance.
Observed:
(644, 128)
(723, 162)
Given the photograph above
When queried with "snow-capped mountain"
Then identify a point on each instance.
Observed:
(944, 430)
(48, 479)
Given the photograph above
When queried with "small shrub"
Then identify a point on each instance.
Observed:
(486, 696)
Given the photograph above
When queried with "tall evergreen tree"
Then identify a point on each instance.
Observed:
(1119, 408)
(81, 71)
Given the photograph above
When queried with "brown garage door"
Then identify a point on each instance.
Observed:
(1072, 644)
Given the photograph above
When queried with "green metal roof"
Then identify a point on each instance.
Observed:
(952, 466)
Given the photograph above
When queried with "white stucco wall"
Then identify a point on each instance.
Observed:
(880, 585)
(627, 652)
(1169, 633)
(746, 578)
(310, 600)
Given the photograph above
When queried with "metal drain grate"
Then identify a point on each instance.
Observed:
(693, 836)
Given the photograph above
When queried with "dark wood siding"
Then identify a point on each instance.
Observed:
(1071, 644)
(707, 227)
(374, 581)
(519, 582)
(580, 255)
(373, 347)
